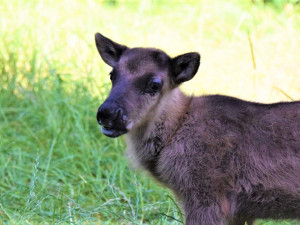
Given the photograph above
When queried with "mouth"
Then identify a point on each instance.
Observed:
(112, 132)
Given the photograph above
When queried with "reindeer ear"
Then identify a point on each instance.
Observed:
(109, 51)
(185, 66)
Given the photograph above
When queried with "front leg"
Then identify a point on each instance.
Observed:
(211, 215)
(241, 221)
(204, 204)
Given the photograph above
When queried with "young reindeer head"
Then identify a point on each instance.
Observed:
(140, 77)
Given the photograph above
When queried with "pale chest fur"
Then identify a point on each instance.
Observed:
(145, 143)
(143, 153)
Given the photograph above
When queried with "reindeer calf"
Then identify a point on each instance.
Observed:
(227, 160)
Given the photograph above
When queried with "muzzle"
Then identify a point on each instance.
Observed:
(112, 119)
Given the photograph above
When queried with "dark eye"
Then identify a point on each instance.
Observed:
(154, 86)
(112, 76)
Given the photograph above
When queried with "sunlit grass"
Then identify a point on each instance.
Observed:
(56, 166)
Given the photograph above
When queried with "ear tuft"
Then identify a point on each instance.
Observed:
(109, 51)
(184, 67)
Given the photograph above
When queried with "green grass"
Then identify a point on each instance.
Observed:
(56, 166)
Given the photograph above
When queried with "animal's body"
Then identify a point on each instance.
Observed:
(227, 160)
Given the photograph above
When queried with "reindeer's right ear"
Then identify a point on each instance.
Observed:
(109, 51)
(185, 67)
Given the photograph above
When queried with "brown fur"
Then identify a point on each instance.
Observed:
(229, 161)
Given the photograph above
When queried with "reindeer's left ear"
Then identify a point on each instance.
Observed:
(109, 51)
(185, 66)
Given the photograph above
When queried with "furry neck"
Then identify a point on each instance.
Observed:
(165, 119)
(145, 142)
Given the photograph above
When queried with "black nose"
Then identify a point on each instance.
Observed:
(107, 114)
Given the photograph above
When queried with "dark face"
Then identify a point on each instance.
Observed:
(138, 81)
(140, 78)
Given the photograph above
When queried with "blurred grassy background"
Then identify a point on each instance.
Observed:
(56, 166)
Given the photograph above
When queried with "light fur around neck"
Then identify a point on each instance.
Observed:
(162, 122)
